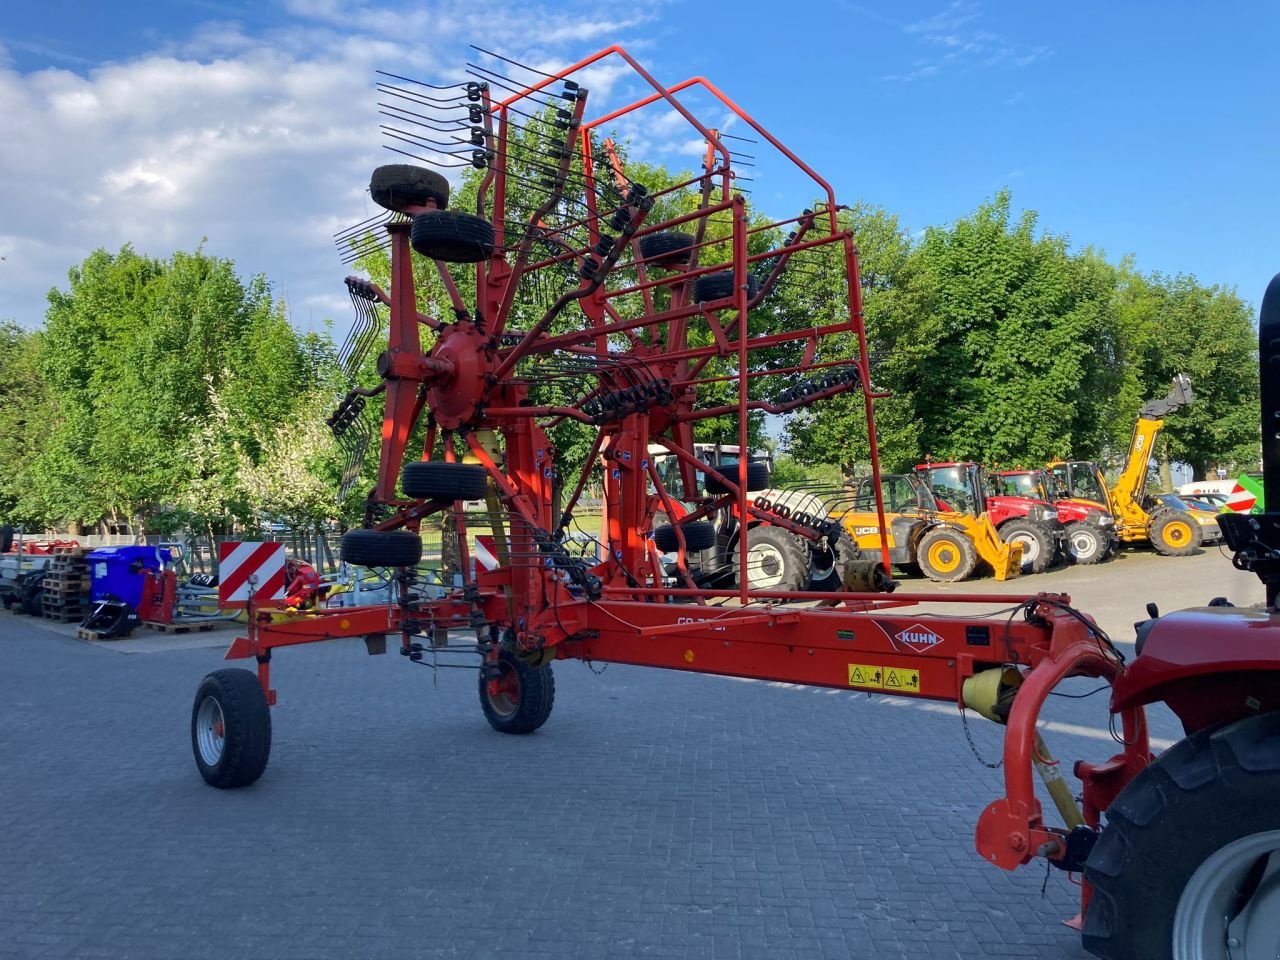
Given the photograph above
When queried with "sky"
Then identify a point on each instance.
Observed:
(251, 126)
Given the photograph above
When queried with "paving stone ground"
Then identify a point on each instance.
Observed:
(657, 815)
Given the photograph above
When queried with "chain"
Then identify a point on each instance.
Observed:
(964, 720)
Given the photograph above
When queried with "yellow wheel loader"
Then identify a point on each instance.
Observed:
(1140, 518)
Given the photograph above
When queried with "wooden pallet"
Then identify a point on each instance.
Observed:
(83, 634)
(63, 616)
(62, 561)
(177, 627)
(59, 587)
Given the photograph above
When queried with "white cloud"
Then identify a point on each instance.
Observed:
(963, 44)
(261, 144)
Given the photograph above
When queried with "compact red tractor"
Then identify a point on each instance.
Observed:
(1090, 531)
(649, 324)
(1030, 521)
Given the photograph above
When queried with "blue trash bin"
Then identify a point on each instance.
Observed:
(118, 570)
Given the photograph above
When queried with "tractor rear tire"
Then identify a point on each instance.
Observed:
(1185, 848)
(399, 185)
(522, 696)
(946, 555)
(757, 477)
(1086, 543)
(775, 560)
(230, 729)
(438, 480)
(669, 249)
(1174, 533)
(1038, 549)
(381, 548)
(698, 535)
(452, 237)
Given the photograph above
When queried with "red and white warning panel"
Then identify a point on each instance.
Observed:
(240, 562)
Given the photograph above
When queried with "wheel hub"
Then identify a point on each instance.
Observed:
(765, 565)
(453, 401)
(1230, 908)
(210, 731)
(504, 692)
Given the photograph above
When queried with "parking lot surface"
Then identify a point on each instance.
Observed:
(657, 814)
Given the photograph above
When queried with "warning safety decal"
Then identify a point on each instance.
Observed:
(890, 679)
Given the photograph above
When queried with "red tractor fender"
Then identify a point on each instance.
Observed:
(1001, 508)
(1210, 665)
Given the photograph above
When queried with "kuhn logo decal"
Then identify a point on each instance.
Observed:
(917, 638)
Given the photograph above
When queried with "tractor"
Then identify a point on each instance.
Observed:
(946, 546)
(794, 543)
(1090, 532)
(1139, 517)
(1179, 854)
(961, 488)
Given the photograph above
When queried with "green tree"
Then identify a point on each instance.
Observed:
(1016, 340)
(1176, 325)
(24, 414)
(160, 373)
(835, 430)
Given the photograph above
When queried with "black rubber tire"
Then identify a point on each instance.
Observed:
(667, 249)
(382, 548)
(32, 589)
(1206, 791)
(452, 237)
(246, 722)
(828, 567)
(946, 555)
(1086, 544)
(717, 286)
(399, 185)
(698, 535)
(536, 696)
(1035, 536)
(777, 545)
(438, 480)
(1174, 533)
(757, 477)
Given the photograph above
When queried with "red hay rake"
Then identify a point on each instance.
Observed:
(646, 324)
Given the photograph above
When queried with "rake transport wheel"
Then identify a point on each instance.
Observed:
(520, 697)
(775, 560)
(946, 555)
(399, 185)
(757, 477)
(1037, 544)
(452, 237)
(382, 548)
(698, 535)
(667, 249)
(1188, 866)
(437, 480)
(717, 286)
(1086, 543)
(827, 567)
(230, 729)
(1174, 533)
